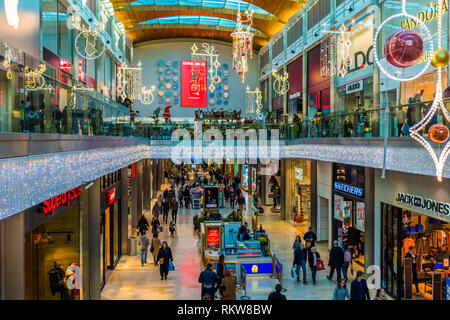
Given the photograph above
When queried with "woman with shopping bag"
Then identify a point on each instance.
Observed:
(164, 259)
(315, 263)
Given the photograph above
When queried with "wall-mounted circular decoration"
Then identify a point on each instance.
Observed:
(211, 94)
(226, 88)
(225, 95)
(211, 101)
(168, 64)
(176, 101)
(168, 71)
(160, 78)
(160, 93)
(160, 101)
(160, 71)
(219, 94)
(168, 93)
(175, 93)
(225, 103)
(226, 73)
(168, 86)
(168, 79)
(175, 79)
(225, 66)
(219, 102)
(225, 80)
(176, 64)
(176, 86)
(219, 87)
(167, 100)
(219, 73)
(161, 63)
(175, 71)
(160, 85)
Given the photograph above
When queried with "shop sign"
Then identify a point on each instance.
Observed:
(110, 196)
(423, 203)
(65, 65)
(64, 199)
(428, 15)
(354, 87)
(360, 215)
(356, 191)
(213, 237)
(296, 95)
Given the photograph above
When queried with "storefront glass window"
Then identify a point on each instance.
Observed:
(299, 196)
(49, 28)
(64, 34)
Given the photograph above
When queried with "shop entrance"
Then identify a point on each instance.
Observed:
(109, 240)
(402, 229)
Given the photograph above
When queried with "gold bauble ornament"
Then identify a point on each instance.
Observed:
(440, 58)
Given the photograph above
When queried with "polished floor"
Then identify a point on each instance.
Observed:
(132, 281)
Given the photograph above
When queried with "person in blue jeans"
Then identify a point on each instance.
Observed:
(347, 262)
(313, 257)
(144, 242)
(300, 257)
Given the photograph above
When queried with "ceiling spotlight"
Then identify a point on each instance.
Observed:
(350, 9)
(315, 34)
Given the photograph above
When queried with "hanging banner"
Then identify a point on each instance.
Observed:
(193, 84)
(360, 215)
(338, 207)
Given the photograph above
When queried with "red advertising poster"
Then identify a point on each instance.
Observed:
(213, 238)
(193, 84)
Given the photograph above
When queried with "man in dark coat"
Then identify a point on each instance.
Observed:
(276, 295)
(300, 257)
(336, 260)
(208, 278)
(359, 290)
(165, 209)
(310, 239)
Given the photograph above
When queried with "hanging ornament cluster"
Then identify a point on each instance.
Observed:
(438, 133)
(242, 42)
(129, 84)
(281, 83)
(254, 99)
(9, 59)
(34, 80)
(328, 56)
(209, 54)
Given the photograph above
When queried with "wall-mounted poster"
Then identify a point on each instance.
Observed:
(193, 84)
(338, 207)
(360, 215)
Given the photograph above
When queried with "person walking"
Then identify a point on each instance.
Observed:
(300, 257)
(232, 198)
(336, 260)
(143, 243)
(164, 259)
(412, 255)
(228, 286)
(340, 291)
(277, 295)
(142, 225)
(296, 243)
(155, 225)
(165, 210)
(358, 289)
(155, 244)
(172, 229)
(347, 262)
(380, 295)
(221, 267)
(174, 210)
(310, 239)
(313, 257)
(156, 211)
(187, 197)
(208, 278)
(241, 202)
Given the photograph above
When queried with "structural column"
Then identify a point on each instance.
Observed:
(369, 234)
(124, 230)
(94, 241)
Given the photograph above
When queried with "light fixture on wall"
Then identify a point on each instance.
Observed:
(350, 9)
(315, 34)
(292, 51)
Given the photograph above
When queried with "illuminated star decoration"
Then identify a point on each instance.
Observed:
(242, 42)
(208, 53)
(438, 103)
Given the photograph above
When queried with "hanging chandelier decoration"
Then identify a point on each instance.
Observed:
(281, 83)
(438, 133)
(328, 56)
(129, 84)
(334, 49)
(254, 98)
(209, 54)
(242, 42)
(34, 80)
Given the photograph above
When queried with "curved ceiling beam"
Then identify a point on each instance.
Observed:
(228, 12)
(131, 18)
(258, 34)
(171, 32)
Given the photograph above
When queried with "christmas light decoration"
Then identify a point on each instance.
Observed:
(242, 43)
(208, 53)
(281, 83)
(93, 45)
(336, 47)
(254, 98)
(328, 56)
(129, 81)
(33, 78)
(438, 103)
(8, 60)
(146, 96)
(428, 39)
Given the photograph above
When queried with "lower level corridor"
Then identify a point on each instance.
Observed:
(132, 281)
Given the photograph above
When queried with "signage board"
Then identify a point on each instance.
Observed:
(213, 237)
(257, 268)
(64, 199)
(354, 87)
(353, 190)
(110, 196)
(193, 84)
(423, 203)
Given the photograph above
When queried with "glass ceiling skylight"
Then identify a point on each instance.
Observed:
(227, 4)
(202, 20)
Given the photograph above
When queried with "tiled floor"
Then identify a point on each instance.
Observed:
(132, 281)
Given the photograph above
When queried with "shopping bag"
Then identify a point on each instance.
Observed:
(351, 268)
(293, 272)
(160, 229)
(171, 267)
(320, 265)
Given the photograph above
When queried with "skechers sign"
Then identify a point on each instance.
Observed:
(356, 191)
(427, 204)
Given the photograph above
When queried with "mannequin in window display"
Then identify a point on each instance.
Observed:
(348, 127)
(57, 281)
(401, 118)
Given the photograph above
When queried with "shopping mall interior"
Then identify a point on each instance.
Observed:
(224, 150)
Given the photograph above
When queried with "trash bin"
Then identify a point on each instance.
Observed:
(133, 246)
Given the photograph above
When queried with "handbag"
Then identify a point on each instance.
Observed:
(171, 267)
(293, 272)
(320, 265)
(161, 261)
(160, 229)
(351, 268)
(152, 249)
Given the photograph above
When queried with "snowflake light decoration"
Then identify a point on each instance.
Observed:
(254, 98)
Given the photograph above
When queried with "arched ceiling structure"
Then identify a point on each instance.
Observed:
(146, 20)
